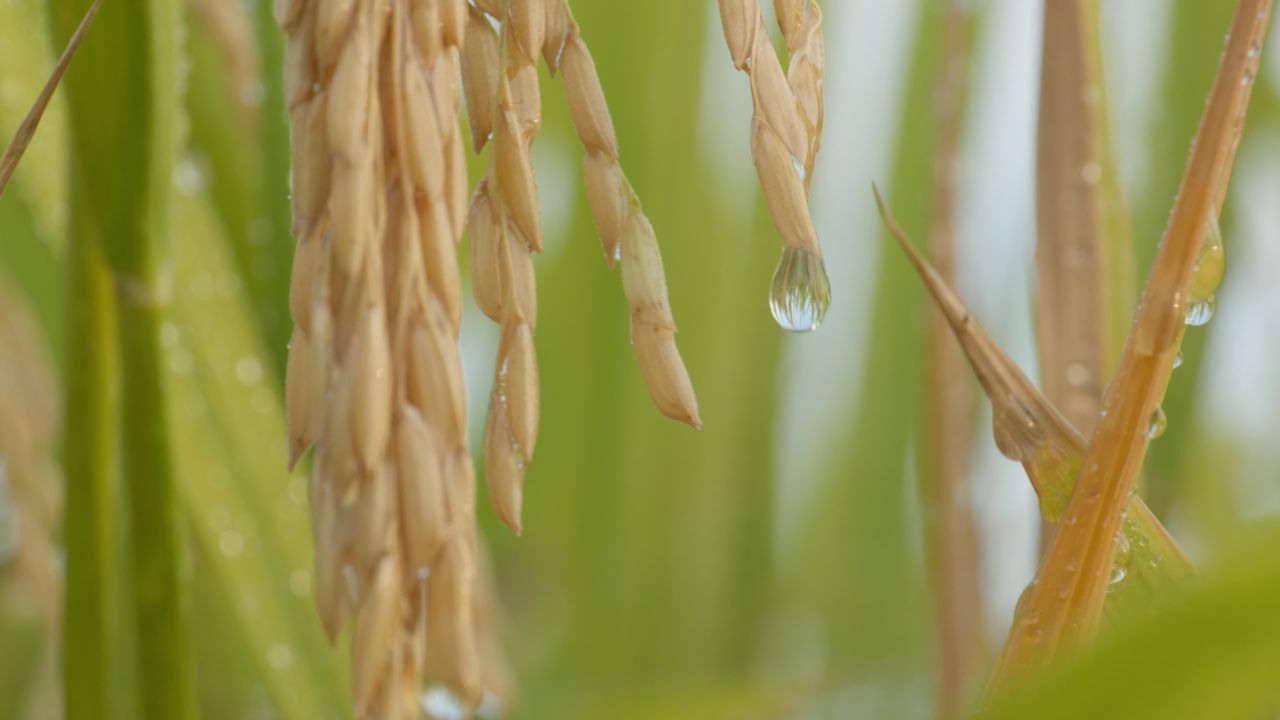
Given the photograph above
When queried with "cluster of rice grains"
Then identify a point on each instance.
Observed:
(786, 134)
(374, 90)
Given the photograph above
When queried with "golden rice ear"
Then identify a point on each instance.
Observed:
(504, 467)
(609, 198)
(486, 243)
(627, 237)
(368, 370)
(451, 646)
(652, 329)
(786, 133)
(298, 397)
(453, 21)
(421, 481)
(775, 105)
(587, 105)
(514, 178)
(435, 375)
(380, 203)
(375, 629)
(783, 189)
(739, 20)
(427, 29)
(481, 65)
(518, 385)
(422, 133)
(528, 23)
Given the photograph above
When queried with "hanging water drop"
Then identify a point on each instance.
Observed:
(1210, 266)
(1117, 574)
(1159, 423)
(1202, 312)
(800, 293)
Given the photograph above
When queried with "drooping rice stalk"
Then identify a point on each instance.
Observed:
(374, 379)
(1062, 607)
(625, 232)
(499, 71)
(786, 134)
(506, 229)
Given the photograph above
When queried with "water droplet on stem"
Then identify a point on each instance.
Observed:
(1202, 312)
(1159, 423)
(800, 293)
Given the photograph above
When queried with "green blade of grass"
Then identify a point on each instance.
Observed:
(1061, 608)
(123, 98)
(230, 136)
(248, 516)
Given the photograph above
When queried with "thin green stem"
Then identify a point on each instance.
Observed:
(91, 638)
(123, 97)
(156, 538)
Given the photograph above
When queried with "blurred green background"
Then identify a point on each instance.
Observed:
(771, 565)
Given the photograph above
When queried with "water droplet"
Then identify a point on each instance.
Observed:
(231, 543)
(248, 371)
(1117, 574)
(1177, 360)
(800, 293)
(188, 176)
(1202, 312)
(300, 583)
(280, 656)
(617, 253)
(1078, 375)
(798, 167)
(1123, 549)
(439, 702)
(181, 362)
(1210, 266)
(1159, 423)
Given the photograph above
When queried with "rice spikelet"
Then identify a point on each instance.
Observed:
(505, 228)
